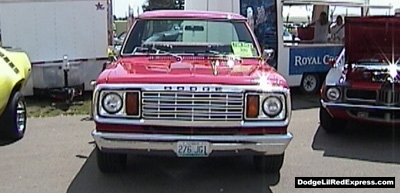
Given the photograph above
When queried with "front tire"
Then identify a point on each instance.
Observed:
(268, 163)
(13, 121)
(330, 124)
(110, 162)
(310, 84)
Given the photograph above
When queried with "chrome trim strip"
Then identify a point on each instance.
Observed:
(267, 144)
(259, 123)
(160, 87)
(359, 100)
(345, 105)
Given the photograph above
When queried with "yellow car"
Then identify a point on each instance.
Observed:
(15, 69)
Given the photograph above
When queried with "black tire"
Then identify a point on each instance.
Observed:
(310, 83)
(12, 124)
(268, 163)
(330, 124)
(110, 162)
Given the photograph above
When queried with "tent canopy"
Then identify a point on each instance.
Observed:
(344, 3)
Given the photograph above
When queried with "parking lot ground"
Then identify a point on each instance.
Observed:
(56, 155)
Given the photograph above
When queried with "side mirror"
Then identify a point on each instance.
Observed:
(268, 54)
(332, 62)
(114, 52)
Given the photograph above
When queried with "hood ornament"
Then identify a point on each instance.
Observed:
(214, 67)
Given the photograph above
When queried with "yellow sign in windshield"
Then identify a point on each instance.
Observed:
(242, 49)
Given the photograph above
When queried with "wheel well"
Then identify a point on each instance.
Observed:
(319, 74)
(18, 86)
(322, 76)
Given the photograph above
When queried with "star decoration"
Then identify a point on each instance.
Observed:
(99, 6)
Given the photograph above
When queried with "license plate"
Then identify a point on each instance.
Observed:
(362, 114)
(192, 149)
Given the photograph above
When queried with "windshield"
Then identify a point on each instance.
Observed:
(185, 36)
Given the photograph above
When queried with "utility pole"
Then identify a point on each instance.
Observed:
(365, 9)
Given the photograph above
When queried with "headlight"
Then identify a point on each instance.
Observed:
(272, 106)
(112, 103)
(333, 94)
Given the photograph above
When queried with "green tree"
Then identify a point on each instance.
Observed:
(159, 4)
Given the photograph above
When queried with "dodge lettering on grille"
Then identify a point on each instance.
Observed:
(193, 88)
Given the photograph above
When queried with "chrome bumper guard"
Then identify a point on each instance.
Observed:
(273, 144)
(354, 106)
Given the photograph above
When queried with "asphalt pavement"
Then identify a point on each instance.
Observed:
(56, 155)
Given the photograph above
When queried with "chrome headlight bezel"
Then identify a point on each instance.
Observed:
(275, 101)
(262, 116)
(112, 96)
(333, 94)
(99, 107)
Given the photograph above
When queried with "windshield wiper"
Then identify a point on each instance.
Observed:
(208, 52)
(215, 54)
(156, 51)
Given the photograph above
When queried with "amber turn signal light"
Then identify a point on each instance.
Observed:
(132, 103)
(253, 106)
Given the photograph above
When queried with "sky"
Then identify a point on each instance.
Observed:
(121, 7)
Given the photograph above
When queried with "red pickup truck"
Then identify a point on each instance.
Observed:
(191, 84)
(364, 84)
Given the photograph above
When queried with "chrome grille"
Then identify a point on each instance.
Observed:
(389, 97)
(192, 106)
(382, 97)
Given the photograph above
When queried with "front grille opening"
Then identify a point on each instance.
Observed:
(192, 106)
(361, 94)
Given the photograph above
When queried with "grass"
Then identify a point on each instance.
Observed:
(46, 107)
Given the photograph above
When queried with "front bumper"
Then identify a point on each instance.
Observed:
(373, 113)
(121, 142)
(356, 106)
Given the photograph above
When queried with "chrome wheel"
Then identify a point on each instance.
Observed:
(310, 83)
(21, 116)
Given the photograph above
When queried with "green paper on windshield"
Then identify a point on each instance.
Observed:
(242, 49)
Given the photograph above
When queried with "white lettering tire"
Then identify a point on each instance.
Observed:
(14, 119)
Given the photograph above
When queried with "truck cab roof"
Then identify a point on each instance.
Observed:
(190, 14)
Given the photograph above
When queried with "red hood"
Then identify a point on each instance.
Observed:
(375, 37)
(194, 70)
(371, 44)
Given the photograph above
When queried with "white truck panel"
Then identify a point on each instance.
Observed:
(49, 30)
(213, 5)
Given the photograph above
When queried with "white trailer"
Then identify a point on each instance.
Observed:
(60, 37)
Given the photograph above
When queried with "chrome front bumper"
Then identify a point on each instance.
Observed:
(362, 112)
(353, 106)
(266, 144)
